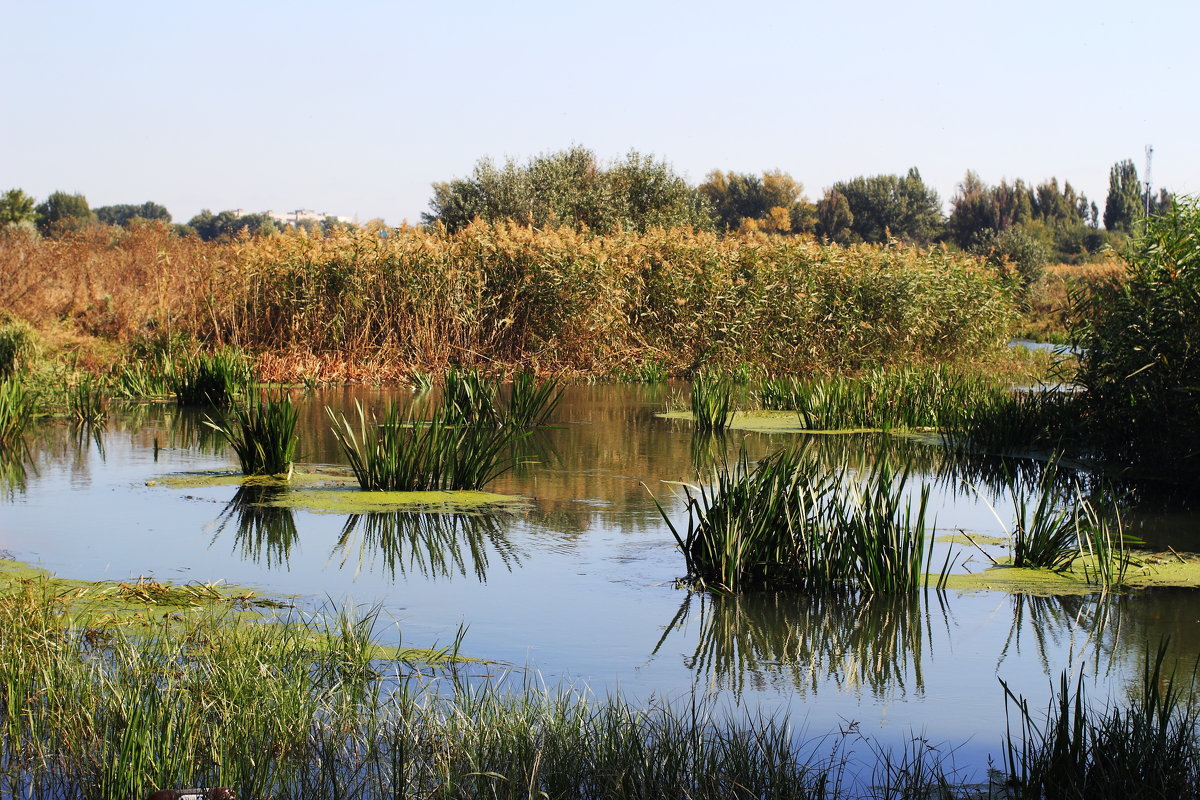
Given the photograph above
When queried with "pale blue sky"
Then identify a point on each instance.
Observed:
(356, 107)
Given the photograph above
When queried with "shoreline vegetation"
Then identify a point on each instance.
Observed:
(117, 706)
(358, 306)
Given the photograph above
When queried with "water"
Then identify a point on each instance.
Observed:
(580, 584)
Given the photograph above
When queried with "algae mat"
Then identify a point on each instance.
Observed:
(332, 491)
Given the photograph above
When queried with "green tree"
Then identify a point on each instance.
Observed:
(62, 212)
(123, 214)
(835, 220)
(209, 226)
(735, 197)
(16, 208)
(898, 206)
(570, 188)
(1124, 203)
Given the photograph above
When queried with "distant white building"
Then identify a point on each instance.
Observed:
(300, 214)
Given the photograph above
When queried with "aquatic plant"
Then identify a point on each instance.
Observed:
(1147, 748)
(397, 453)
(1044, 419)
(16, 411)
(87, 399)
(211, 379)
(531, 401)
(470, 398)
(18, 346)
(786, 523)
(262, 432)
(907, 397)
(144, 378)
(711, 402)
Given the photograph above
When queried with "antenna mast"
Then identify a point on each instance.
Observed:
(1149, 155)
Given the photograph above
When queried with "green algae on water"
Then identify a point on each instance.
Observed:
(333, 491)
(1148, 571)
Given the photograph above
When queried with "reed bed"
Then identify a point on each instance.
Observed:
(87, 400)
(401, 453)
(903, 397)
(262, 432)
(785, 523)
(356, 305)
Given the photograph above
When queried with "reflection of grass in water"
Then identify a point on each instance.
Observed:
(434, 545)
(265, 533)
(874, 642)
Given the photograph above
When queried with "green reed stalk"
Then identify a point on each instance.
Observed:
(212, 379)
(711, 402)
(87, 400)
(531, 401)
(16, 411)
(262, 433)
(401, 454)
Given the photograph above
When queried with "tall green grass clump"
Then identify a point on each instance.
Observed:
(787, 523)
(262, 432)
(711, 402)
(1139, 360)
(18, 346)
(470, 398)
(16, 411)
(1044, 419)
(1147, 748)
(212, 379)
(87, 400)
(397, 453)
(531, 401)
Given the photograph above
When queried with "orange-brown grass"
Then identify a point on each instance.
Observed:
(1048, 315)
(356, 306)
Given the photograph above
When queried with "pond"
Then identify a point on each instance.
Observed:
(578, 581)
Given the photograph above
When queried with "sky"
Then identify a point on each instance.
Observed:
(355, 108)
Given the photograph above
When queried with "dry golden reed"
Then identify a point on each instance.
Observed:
(356, 304)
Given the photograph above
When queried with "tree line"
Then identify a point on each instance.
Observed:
(1017, 221)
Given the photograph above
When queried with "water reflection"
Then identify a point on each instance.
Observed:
(15, 465)
(264, 533)
(432, 545)
(798, 642)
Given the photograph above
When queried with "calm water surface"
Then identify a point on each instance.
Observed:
(579, 585)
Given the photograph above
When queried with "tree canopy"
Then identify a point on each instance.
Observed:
(882, 206)
(62, 212)
(122, 214)
(571, 188)
(16, 208)
(1124, 202)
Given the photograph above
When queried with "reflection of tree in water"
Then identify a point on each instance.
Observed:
(799, 641)
(265, 533)
(434, 545)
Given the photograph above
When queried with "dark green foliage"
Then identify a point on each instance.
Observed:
(212, 379)
(471, 399)
(124, 214)
(1040, 420)
(62, 212)
(1013, 249)
(400, 453)
(1124, 204)
(1140, 341)
(209, 226)
(711, 402)
(791, 523)
(16, 208)
(888, 206)
(262, 432)
(1146, 749)
(570, 188)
